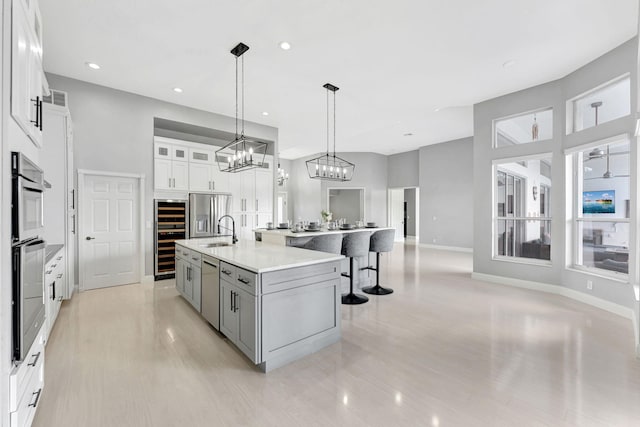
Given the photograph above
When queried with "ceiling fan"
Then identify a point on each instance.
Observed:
(599, 153)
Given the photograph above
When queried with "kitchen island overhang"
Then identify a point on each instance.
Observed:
(277, 303)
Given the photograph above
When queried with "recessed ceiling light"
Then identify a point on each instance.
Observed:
(285, 45)
(92, 65)
(509, 63)
(265, 113)
(408, 134)
(435, 110)
(177, 89)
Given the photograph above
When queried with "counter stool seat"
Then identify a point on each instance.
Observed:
(354, 245)
(381, 241)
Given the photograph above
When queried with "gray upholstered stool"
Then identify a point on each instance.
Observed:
(354, 245)
(325, 243)
(381, 241)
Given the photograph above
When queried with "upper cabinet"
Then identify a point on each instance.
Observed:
(27, 75)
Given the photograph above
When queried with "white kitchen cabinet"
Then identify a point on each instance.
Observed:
(200, 177)
(264, 190)
(56, 160)
(26, 383)
(27, 74)
(55, 282)
(221, 180)
(170, 175)
(228, 314)
(262, 218)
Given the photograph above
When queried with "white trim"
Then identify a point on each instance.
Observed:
(636, 332)
(141, 210)
(147, 280)
(446, 248)
(620, 138)
(106, 173)
(523, 260)
(611, 307)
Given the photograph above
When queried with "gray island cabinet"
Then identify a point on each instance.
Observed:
(277, 303)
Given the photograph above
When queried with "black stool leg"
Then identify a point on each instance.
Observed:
(351, 298)
(377, 289)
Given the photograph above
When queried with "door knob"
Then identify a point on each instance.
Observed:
(90, 238)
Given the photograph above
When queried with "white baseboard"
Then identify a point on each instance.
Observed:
(447, 248)
(146, 280)
(611, 307)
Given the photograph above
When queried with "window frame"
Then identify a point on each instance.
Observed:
(495, 168)
(494, 126)
(575, 188)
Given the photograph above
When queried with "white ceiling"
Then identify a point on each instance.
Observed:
(395, 61)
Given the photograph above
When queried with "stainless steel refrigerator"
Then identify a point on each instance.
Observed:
(204, 212)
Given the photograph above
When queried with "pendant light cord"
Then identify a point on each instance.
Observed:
(236, 97)
(327, 123)
(243, 96)
(334, 127)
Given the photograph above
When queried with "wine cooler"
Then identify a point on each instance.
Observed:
(170, 225)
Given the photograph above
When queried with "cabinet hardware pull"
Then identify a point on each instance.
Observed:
(36, 102)
(212, 265)
(41, 115)
(37, 394)
(53, 291)
(243, 280)
(232, 301)
(35, 360)
(73, 199)
(227, 272)
(174, 182)
(53, 266)
(257, 205)
(48, 272)
(237, 305)
(59, 258)
(73, 222)
(59, 276)
(90, 238)
(169, 182)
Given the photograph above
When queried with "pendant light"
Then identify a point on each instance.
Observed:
(330, 167)
(242, 153)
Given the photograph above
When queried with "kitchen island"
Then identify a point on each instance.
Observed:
(362, 279)
(276, 303)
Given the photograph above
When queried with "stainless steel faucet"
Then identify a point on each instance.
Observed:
(234, 238)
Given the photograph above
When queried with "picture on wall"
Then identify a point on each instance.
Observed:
(598, 202)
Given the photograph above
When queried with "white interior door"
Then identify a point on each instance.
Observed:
(109, 241)
(396, 212)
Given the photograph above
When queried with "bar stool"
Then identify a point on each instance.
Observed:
(331, 243)
(381, 241)
(354, 245)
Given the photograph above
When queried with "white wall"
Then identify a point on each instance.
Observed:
(617, 62)
(113, 131)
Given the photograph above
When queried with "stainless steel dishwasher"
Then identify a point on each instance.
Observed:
(211, 290)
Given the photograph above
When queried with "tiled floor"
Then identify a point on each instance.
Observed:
(443, 350)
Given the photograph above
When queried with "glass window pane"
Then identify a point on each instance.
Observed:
(525, 128)
(605, 246)
(602, 105)
(523, 226)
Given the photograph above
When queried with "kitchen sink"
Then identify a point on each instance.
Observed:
(215, 245)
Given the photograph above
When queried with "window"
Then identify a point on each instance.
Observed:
(601, 219)
(522, 223)
(524, 128)
(608, 102)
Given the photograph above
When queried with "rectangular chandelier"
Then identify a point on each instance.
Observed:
(330, 167)
(241, 154)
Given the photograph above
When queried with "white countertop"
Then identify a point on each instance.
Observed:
(260, 257)
(289, 233)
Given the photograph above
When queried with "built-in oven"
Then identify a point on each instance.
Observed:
(27, 199)
(27, 294)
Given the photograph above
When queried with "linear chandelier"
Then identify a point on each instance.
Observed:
(242, 153)
(329, 167)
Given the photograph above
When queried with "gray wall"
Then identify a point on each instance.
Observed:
(346, 203)
(553, 94)
(310, 195)
(403, 169)
(446, 193)
(410, 200)
(113, 131)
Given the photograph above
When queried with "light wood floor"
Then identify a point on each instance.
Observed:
(443, 350)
